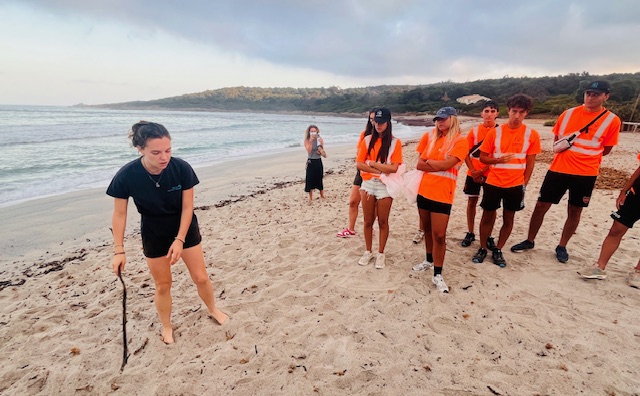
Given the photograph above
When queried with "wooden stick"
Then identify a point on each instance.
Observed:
(125, 354)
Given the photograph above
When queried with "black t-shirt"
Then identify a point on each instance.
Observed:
(154, 203)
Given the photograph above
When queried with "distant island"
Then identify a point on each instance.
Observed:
(552, 95)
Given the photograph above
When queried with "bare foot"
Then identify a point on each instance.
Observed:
(167, 336)
(219, 316)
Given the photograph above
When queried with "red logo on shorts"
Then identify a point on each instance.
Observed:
(586, 200)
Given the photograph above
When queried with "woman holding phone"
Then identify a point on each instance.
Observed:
(314, 144)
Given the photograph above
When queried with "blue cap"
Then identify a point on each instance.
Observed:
(445, 113)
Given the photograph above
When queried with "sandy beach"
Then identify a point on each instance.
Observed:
(305, 318)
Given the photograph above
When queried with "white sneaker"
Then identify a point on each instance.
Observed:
(423, 266)
(366, 257)
(438, 280)
(380, 261)
(418, 237)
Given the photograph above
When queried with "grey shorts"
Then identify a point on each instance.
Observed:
(376, 188)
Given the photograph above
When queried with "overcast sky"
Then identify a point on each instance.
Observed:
(63, 52)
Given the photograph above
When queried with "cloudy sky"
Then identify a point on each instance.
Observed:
(63, 52)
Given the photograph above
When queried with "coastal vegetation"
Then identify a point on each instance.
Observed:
(552, 95)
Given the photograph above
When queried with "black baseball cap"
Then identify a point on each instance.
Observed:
(599, 86)
(382, 115)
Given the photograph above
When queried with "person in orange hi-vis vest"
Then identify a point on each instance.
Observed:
(628, 205)
(593, 131)
(477, 171)
(378, 153)
(511, 149)
(354, 197)
(444, 151)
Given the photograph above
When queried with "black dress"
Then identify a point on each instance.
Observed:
(315, 170)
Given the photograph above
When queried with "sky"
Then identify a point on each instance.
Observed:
(65, 52)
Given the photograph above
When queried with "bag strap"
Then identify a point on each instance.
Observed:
(586, 128)
(475, 147)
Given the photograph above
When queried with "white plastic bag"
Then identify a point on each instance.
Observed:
(412, 180)
(394, 181)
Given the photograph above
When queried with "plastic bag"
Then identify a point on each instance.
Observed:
(394, 181)
(412, 180)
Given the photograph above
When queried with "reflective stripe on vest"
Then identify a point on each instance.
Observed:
(475, 135)
(565, 122)
(587, 146)
(521, 156)
(447, 174)
(453, 172)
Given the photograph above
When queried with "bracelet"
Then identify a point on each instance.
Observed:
(115, 254)
(176, 238)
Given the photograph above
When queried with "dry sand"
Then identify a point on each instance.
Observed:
(305, 318)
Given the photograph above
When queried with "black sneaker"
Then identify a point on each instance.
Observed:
(479, 256)
(470, 237)
(491, 245)
(498, 258)
(522, 246)
(561, 254)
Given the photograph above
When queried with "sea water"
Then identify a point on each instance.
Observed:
(50, 150)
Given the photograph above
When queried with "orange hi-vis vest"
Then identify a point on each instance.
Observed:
(523, 142)
(585, 155)
(449, 173)
(520, 159)
(475, 136)
(395, 154)
(440, 186)
(585, 145)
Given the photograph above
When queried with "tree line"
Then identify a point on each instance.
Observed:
(552, 95)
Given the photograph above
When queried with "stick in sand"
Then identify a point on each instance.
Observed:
(125, 354)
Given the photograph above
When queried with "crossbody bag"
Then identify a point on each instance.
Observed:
(566, 142)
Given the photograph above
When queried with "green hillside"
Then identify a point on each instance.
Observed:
(552, 96)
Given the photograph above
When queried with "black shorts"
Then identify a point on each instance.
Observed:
(158, 235)
(513, 197)
(358, 179)
(555, 184)
(471, 188)
(629, 213)
(433, 206)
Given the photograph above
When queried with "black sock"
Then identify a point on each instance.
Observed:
(437, 271)
(430, 257)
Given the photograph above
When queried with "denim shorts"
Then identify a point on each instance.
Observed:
(375, 187)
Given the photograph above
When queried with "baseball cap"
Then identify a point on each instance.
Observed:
(382, 115)
(445, 113)
(598, 86)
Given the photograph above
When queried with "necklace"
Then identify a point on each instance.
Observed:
(157, 183)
